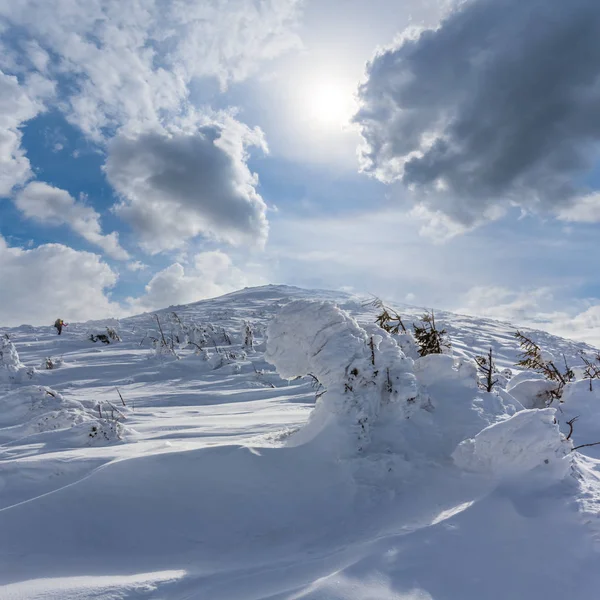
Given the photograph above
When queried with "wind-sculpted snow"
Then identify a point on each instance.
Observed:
(361, 375)
(529, 441)
(351, 469)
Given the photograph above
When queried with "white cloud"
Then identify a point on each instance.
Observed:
(211, 274)
(136, 265)
(536, 308)
(585, 209)
(16, 107)
(54, 206)
(39, 285)
(177, 185)
(131, 62)
(503, 304)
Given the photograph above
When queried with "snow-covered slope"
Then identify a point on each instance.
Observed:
(189, 469)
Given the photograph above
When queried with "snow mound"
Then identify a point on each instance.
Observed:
(531, 389)
(529, 440)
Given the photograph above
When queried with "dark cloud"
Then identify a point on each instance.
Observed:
(178, 185)
(499, 104)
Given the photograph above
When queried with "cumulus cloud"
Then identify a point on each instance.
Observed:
(39, 285)
(176, 185)
(131, 62)
(211, 274)
(16, 107)
(496, 106)
(53, 206)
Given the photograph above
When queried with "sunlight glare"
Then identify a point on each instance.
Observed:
(330, 104)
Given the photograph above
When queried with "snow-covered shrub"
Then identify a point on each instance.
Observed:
(105, 431)
(458, 408)
(226, 357)
(426, 339)
(50, 363)
(528, 441)
(38, 409)
(532, 389)
(109, 336)
(534, 359)
(582, 404)
(35, 409)
(247, 337)
(12, 370)
(361, 374)
(591, 370)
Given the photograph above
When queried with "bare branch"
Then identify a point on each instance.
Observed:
(570, 424)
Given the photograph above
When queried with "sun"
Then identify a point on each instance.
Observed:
(330, 104)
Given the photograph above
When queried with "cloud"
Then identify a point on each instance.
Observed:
(585, 209)
(16, 107)
(53, 206)
(496, 106)
(524, 307)
(537, 308)
(211, 274)
(178, 185)
(136, 265)
(39, 285)
(131, 63)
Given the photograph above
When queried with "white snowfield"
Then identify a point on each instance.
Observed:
(275, 444)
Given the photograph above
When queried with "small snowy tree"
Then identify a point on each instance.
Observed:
(247, 337)
(431, 340)
(390, 320)
(532, 358)
(387, 318)
(11, 368)
(487, 367)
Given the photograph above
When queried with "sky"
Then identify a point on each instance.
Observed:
(438, 153)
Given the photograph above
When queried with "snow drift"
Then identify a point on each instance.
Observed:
(366, 472)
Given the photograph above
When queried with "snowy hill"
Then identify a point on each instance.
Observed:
(177, 463)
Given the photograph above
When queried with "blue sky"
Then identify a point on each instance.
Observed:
(439, 154)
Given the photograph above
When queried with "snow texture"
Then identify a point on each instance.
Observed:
(327, 462)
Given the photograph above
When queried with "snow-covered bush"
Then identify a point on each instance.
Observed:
(532, 389)
(38, 409)
(528, 441)
(222, 358)
(104, 431)
(247, 337)
(50, 363)
(372, 395)
(361, 374)
(534, 359)
(35, 409)
(108, 336)
(12, 370)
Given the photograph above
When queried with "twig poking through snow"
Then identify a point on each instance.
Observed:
(118, 392)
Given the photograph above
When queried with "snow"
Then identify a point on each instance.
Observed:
(231, 473)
